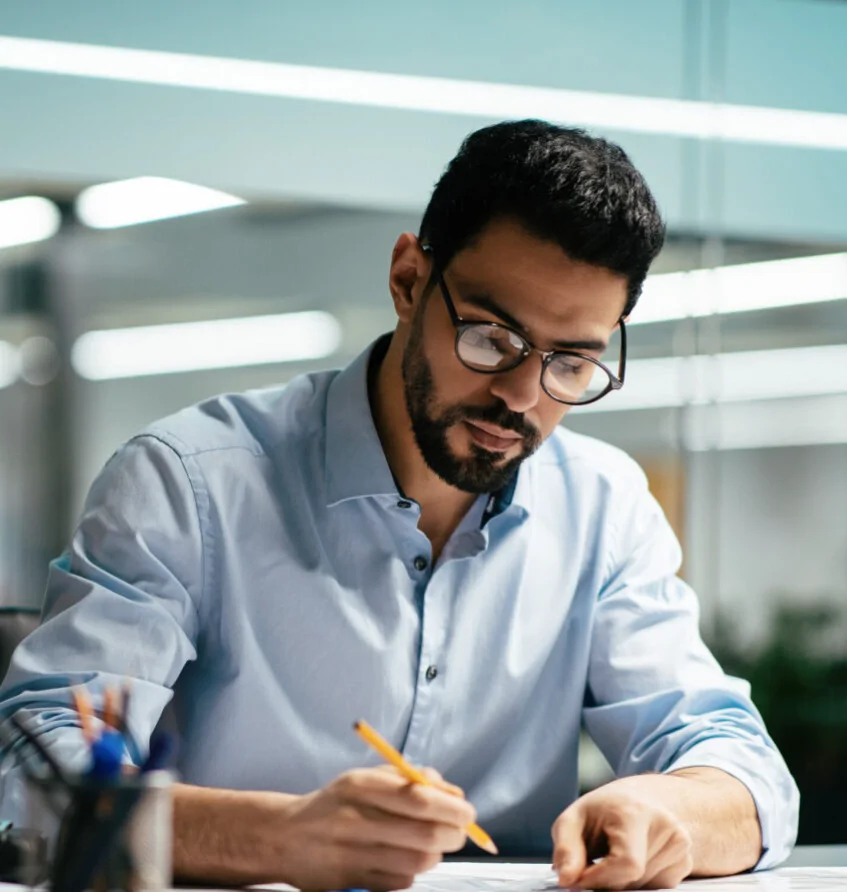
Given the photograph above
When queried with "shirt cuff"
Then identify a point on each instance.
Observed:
(762, 770)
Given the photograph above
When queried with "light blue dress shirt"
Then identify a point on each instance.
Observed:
(252, 558)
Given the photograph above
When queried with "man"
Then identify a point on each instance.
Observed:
(416, 542)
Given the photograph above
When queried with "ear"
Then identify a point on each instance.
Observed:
(410, 270)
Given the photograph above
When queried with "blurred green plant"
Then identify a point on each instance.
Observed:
(799, 684)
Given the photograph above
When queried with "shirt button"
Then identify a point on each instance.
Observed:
(431, 673)
(420, 562)
(404, 504)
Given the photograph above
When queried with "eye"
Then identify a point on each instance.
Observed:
(565, 366)
(493, 337)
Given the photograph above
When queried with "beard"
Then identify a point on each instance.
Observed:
(481, 471)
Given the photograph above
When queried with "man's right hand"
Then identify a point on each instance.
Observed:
(368, 829)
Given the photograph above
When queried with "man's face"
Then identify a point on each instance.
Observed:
(474, 429)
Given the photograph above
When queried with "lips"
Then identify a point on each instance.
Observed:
(484, 436)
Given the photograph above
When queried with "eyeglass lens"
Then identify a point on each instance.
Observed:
(567, 377)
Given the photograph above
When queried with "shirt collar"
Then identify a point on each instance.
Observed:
(355, 464)
(516, 496)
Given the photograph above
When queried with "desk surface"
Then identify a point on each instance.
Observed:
(810, 869)
(818, 856)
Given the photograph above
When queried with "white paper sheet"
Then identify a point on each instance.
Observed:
(462, 877)
(458, 876)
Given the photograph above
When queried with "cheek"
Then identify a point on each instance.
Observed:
(454, 383)
(457, 386)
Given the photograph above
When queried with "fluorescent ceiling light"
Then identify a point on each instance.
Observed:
(767, 423)
(144, 199)
(743, 287)
(9, 365)
(193, 346)
(26, 220)
(637, 114)
(729, 378)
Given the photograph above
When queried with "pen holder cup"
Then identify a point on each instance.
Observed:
(102, 836)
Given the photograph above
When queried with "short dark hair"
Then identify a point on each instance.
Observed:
(576, 190)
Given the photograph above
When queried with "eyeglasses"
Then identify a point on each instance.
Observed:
(566, 375)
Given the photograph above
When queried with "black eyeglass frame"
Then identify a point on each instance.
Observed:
(616, 382)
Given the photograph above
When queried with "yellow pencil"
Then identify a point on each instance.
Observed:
(387, 751)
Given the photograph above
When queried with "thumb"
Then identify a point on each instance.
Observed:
(570, 857)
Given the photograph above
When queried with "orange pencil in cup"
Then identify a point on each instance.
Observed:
(86, 714)
(110, 708)
(416, 776)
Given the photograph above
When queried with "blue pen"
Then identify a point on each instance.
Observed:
(107, 755)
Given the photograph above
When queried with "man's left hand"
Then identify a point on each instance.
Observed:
(643, 845)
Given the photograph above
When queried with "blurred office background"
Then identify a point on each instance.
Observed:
(736, 400)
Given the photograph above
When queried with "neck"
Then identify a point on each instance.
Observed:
(442, 506)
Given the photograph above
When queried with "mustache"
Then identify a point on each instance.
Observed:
(499, 414)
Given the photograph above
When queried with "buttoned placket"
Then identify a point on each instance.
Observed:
(436, 588)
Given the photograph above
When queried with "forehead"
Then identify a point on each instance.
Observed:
(537, 283)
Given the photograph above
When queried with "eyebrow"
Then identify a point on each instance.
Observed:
(486, 302)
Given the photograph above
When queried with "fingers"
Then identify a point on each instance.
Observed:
(397, 868)
(433, 776)
(372, 829)
(625, 864)
(569, 853)
(671, 864)
(391, 793)
(405, 862)
(402, 832)
(641, 856)
(386, 882)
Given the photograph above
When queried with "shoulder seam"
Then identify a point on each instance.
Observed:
(204, 547)
(185, 451)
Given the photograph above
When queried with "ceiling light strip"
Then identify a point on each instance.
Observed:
(197, 346)
(144, 199)
(748, 376)
(638, 114)
(742, 288)
(26, 220)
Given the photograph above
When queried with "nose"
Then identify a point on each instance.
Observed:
(520, 387)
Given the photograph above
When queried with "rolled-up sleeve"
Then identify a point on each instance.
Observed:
(122, 602)
(657, 699)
